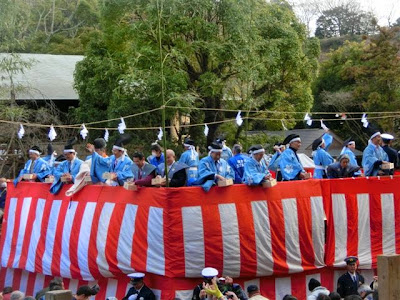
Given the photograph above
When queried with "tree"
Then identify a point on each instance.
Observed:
(216, 54)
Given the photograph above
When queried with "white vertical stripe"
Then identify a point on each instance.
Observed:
(250, 282)
(24, 281)
(111, 288)
(316, 276)
(340, 224)
(155, 241)
(9, 233)
(318, 230)
(364, 231)
(283, 286)
(22, 229)
(35, 236)
(9, 277)
(184, 294)
(84, 239)
(388, 224)
(193, 239)
(65, 262)
(262, 231)
(230, 239)
(39, 283)
(50, 237)
(73, 286)
(292, 242)
(157, 293)
(101, 239)
(336, 275)
(125, 240)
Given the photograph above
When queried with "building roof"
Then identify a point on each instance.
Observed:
(307, 137)
(50, 77)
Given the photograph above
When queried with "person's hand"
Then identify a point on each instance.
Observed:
(375, 278)
(90, 147)
(213, 289)
(232, 294)
(302, 175)
(113, 176)
(34, 176)
(203, 294)
(267, 177)
(219, 177)
(163, 182)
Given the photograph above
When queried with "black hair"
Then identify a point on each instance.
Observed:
(139, 155)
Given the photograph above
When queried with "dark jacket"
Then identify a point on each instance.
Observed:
(145, 293)
(346, 286)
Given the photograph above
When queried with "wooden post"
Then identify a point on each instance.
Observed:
(389, 277)
(59, 295)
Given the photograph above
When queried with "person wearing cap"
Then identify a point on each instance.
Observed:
(374, 156)
(349, 146)
(190, 158)
(255, 170)
(237, 163)
(226, 151)
(254, 293)
(119, 164)
(391, 153)
(289, 162)
(143, 172)
(176, 170)
(35, 166)
(199, 291)
(213, 168)
(314, 286)
(274, 162)
(69, 168)
(138, 290)
(157, 157)
(349, 282)
(342, 168)
(322, 159)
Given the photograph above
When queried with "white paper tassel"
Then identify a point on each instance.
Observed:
(308, 119)
(239, 120)
(52, 133)
(121, 126)
(84, 131)
(160, 134)
(283, 125)
(364, 120)
(106, 135)
(323, 126)
(21, 131)
(206, 130)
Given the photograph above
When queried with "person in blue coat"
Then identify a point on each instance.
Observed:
(374, 156)
(274, 162)
(35, 166)
(289, 163)
(119, 164)
(349, 146)
(50, 158)
(157, 157)
(226, 151)
(322, 159)
(68, 169)
(237, 162)
(213, 168)
(255, 171)
(190, 158)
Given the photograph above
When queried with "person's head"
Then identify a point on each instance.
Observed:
(386, 138)
(351, 145)
(344, 160)
(318, 143)
(56, 282)
(351, 262)
(156, 150)
(221, 140)
(100, 146)
(118, 149)
(85, 292)
(118, 152)
(257, 152)
(293, 140)
(34, 152)
(312, 284)
(3, 183)
(170, 157)
(353, 297)
(17, 295)
(7, 290)
(323, 297)
(136, 279)
(215, 151)
(289, 297)
(253, 290)
(138, 159)
(376, 138)
(69, 155)
(334, 296)
(237, 149)
(188, 143)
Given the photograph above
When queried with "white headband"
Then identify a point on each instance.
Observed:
(257, 151)
(188, 145)
(69, 151)
(295, 140)
(118, 148)
(34, 151)
(375, 135)
(216, 150)
(351, 142)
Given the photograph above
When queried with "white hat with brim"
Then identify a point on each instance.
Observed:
(387, 136)
(209, 272)
(136, 275)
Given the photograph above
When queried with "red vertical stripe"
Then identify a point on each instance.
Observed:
(267, 287)
(397, 220)
(299, 285)
(327, 278)
(305, 233)
(17, 221)
(122, 287)
(30, 286)
(139, 250)
(375, 212)
(74, 240)
(330, 224)
(213, 245)
(16, 279)
(352, 225)
(66, 282)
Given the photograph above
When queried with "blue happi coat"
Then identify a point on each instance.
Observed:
(208, 169)
(40, 168)
(254, 172)
(274, 162)
(155, 162)
(290, 165)
(123, 168)
(328, 139)
(64, 167)
(237, 164)
(371, 155)
(226, 153)
(193, 163)
(353, 160)
(322, 160)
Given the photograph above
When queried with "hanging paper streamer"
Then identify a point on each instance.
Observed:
(239, 120)
(308, 119)
(206, 130)
(364, 120)
(323, 126)
(84, 131)
(160, 134)
(106, 135)
(52, 133)
(283, 125)
(21, 131)
(121, 126)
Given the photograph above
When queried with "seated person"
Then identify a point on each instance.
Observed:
(35, 166)
(157, 157)
(142, 171)
(176, 171)
(255, 171)
(342, 168)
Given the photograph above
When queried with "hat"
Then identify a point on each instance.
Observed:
(123, 140)
(35, 149)
(291, 138)
(221, 139)
(50, 149)
(188, 141)
(252, 288)
(215, 147)
(348, 141)
(316, 143)
(209, 272)
(136, 276)
(87, 290)
(351, 260)
(254, 149)
(387, 136)
(312, 284)
(99, 143)
(68, 148)
(60, 158)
